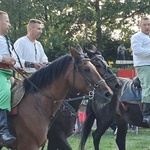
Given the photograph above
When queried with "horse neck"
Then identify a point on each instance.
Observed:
(59, 89)
(51, 97)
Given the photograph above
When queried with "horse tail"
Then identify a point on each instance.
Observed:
(89, 121)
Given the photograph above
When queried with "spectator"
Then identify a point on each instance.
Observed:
(121, 50)
(81, 117)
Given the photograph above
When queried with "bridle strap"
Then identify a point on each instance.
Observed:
(99, 83)
(100, 57)
(95, 85)
(8, 44)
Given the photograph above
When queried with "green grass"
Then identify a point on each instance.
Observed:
(134, 141)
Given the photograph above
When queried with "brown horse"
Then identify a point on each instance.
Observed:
(45, 95)
(60, 130)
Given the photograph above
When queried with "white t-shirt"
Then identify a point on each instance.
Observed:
(140, 44)
(29, 52)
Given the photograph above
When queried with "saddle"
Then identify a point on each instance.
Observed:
(131, 91)
(18, 92)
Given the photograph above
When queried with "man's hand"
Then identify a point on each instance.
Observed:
(38, 65)
(8, 60)
(22, 70)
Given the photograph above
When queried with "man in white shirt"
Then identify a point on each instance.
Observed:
(29, 50)
(140, 44)
(6, 63)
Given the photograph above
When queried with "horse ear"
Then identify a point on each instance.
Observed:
(75, 52)
(90, 50)
(80, 50)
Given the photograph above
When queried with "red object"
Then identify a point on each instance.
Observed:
(5, 66)
(82, 116)
(127, 73)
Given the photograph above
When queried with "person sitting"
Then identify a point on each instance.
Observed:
(140, 43)
(29, 50)
(6, 61)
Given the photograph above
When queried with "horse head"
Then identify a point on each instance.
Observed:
(102, 67)
(86, 74)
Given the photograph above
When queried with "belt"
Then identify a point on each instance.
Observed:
(5, 66)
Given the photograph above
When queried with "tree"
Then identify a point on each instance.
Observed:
(77, 22)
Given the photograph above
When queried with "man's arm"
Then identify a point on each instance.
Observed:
(136, 45)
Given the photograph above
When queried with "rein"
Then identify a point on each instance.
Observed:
(76, 98)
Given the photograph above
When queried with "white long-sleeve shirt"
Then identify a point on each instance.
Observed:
(140, 44)
(29, 52)
(4, 51)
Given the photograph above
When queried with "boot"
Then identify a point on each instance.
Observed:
(146, 113)
(5, 137)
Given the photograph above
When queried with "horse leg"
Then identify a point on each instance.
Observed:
(121, 133)
(89, 121)
(52, 145)
(97, 134)
(61, 144)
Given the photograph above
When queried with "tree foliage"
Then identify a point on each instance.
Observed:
(77, 22)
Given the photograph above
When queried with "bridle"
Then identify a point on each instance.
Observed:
(108, 75)
(93, 86)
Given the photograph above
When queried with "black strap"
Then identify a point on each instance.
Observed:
(8, 44)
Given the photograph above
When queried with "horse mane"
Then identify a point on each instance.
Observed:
(47, 74)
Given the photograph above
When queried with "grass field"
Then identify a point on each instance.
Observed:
(135, 141)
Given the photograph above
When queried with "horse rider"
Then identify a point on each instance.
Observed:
(140, 43)
(6, 61)
(30, 51)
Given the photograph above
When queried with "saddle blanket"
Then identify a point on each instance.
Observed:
(129, 92)
(18, 92)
